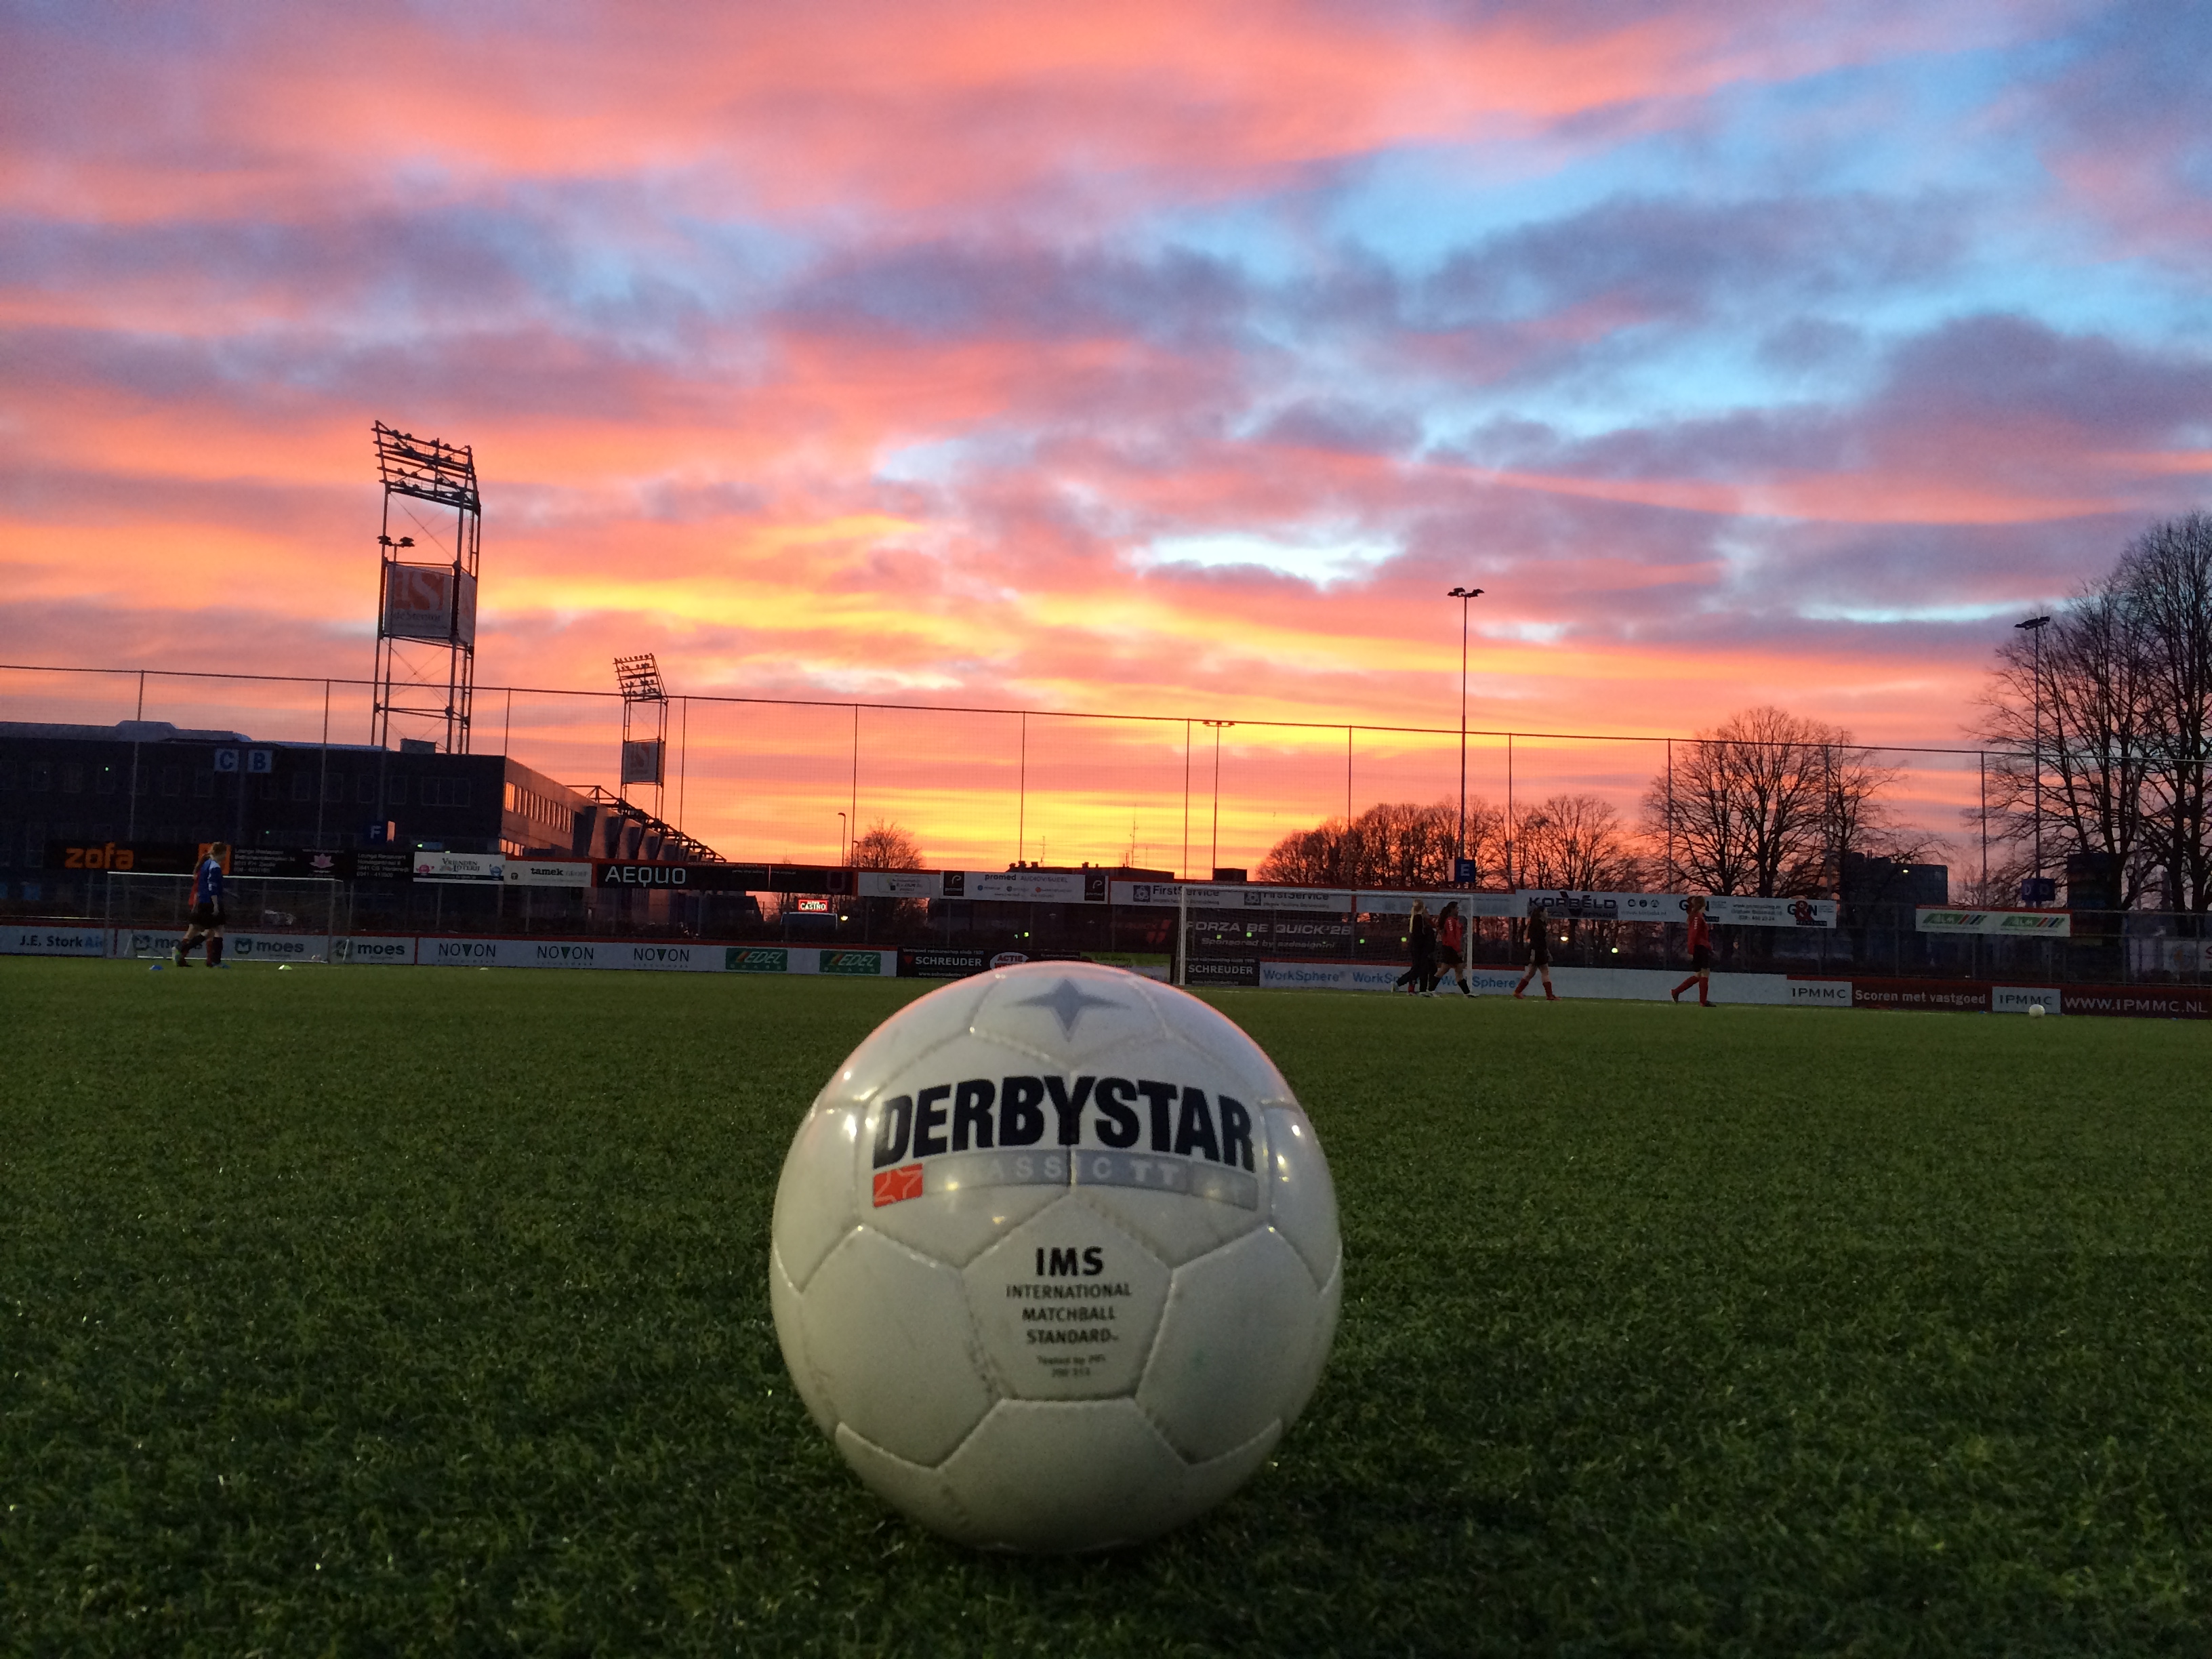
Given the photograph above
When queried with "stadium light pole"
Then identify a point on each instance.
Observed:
(843, 827)
(1463, 595)
(1219, 727)
(2035, 625)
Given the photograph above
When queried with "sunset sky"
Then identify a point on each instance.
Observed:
(1161, 358)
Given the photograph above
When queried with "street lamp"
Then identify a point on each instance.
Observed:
(1219, 727)
(2035, 625)
(1462, 594)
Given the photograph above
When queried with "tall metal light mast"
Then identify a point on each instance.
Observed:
(644, 734)
(426, 614)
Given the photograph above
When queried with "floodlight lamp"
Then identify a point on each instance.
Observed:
(2035, 625)
(1464, 593)
(639, 678)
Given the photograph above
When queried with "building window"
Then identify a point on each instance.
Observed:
(42, 777)
(7, 774)
(334, 786)
(104, 781)
(172, 779)
(303, 786)
(203, 785)
(265, 787)
(72, 778)
(396, 795)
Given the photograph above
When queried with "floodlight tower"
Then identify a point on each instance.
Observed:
(425, 619)
(644, 757)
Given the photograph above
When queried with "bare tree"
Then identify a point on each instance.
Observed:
(1577, 842)
(886, 846)
(2074, 738)
(2165, 576)
(1392, 844)
(1771, 804)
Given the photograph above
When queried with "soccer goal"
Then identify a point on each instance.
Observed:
(278, 918)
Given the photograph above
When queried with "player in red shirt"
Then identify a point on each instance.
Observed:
(204, 919)
(1451, 946)
(1701, 955)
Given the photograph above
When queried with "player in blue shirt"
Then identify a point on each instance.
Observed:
(205, 919)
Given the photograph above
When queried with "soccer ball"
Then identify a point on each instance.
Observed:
(1055, 1258)
(2035, 1011)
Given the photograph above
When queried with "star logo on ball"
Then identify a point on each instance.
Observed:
(1068, 1001)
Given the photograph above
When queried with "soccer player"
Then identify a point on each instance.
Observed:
(1540, 953)
(1451, 946)
(1701, 955)
(1421, 934)
(205, 920)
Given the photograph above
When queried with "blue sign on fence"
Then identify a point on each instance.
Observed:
(1463, 872)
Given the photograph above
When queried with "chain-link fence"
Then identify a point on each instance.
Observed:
(792, 781)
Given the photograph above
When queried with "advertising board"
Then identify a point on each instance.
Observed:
(434, 952)
(1036, 886)
(236, 947)
(859, 964)
(1218, 970)
(548, 872)
(2006, 924)
(459, 866)
(374, 950)
(691, 877)
(755, 959)
(1930, 995)
(902, 883)
(53, 940)
(429, 601)
(927, 964)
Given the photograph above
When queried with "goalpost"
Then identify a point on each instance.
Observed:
(284, 918)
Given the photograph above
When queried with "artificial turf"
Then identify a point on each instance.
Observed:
(366, 1312)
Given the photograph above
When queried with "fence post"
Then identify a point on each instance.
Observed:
(323, 771)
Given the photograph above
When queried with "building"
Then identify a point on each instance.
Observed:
(149, 782)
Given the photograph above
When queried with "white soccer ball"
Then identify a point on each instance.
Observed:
(2035, 1011)
(1055, 1258)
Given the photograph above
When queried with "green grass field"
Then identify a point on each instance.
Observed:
(363, 1312)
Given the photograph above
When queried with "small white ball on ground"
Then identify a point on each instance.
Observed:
(2035, 1011)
